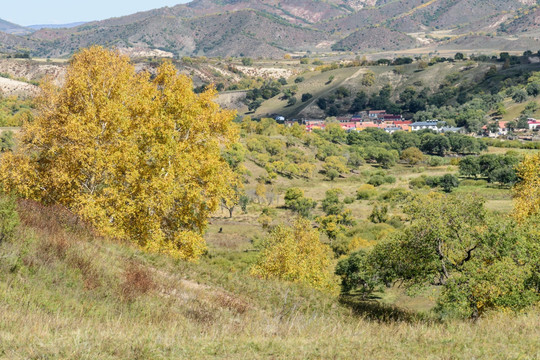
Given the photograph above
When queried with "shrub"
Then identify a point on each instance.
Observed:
(348, 200)
(365, 192)
(435, 161)
(379, 214)
(389, 179)
(298, 203)
(418, 183)
(398, 194)
(469, 182)
(137, 281)
(395, 221)
(448, 182)
(9, 218)
(306, 97)
(376, 180)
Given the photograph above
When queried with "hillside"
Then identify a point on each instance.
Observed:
(10, 28)
(270, 29)
(66, 294)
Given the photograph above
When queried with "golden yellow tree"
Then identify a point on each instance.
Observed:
(296, 254)
(137, 157)
(527, 191)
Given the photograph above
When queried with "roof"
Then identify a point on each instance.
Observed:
(425, 123)
(450, 129)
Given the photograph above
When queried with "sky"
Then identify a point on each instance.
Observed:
(36, 12)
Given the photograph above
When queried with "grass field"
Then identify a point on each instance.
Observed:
(66, 294)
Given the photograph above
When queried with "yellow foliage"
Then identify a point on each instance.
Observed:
(359, 243)
(138, 158)
(527, 191)
(296, 254)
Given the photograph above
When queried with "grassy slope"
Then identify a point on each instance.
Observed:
(317, 84)
(66, 294)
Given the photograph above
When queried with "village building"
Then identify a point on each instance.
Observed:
(422, 125)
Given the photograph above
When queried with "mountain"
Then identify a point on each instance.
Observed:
(55, 26)
(10, 28)
(272, 28)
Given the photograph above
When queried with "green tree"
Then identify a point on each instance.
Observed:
(448, 182)
(331, 203)
(434, 144)
(306, 97)
(298, 203)
(469, 166)
(520, 96)
(480, 262)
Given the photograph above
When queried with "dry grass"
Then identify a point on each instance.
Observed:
(178, 310)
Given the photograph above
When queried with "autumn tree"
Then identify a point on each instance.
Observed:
(295, 253)
(527, 190)
(137, 156)
(412, 156)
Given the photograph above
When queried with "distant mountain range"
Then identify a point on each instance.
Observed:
(56, 26)
(272, 28)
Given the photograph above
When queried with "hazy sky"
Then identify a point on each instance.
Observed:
(34, 12)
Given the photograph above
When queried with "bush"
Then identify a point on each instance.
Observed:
(298, 203)
(418, 183)
(306, 97)
(395, 221)
(376, 180)
(348, 200)
(398, 194)
(435, 161)
(473, 182)
(379, 214)
(9, 218)
(365, 192)
(448, 182)
(389, 179)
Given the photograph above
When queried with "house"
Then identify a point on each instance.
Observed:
(343, 119)
(392, 129)
(421, 125)
(363, 115)
(376, 114)
(449, 129)
(313, 124)
(366, 124)
(534, 124)
(279, 118)
(290, 123)
(502, 130)
(403, 122)
(348, 126)
(392, 117)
